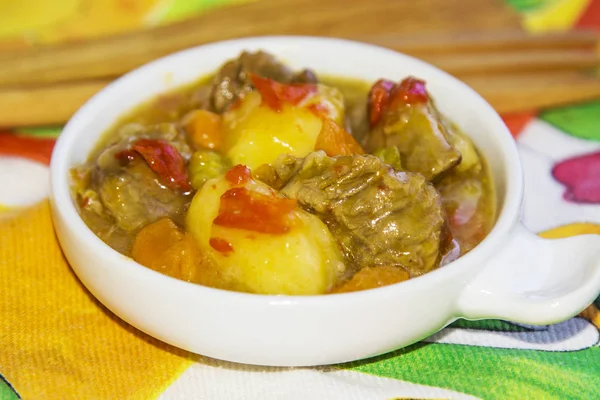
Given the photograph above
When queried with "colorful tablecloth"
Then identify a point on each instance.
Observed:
(57, 342)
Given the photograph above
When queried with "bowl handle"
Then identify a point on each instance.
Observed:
(535, 281)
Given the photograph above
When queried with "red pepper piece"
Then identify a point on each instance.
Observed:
(378, 99)
(410, 91)
(386, 95)
(165, 160)
(275, 94)
(244, 209)
(221, 245)
(320, 110)
(238, 175)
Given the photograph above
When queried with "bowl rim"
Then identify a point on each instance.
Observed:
(63, 206)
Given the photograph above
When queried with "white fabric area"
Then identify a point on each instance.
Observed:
(23, 182)
(541, 146)
(572, 335)
(202, 381)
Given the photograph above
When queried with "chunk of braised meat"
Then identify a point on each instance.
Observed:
(278, 174)
(128, 133)
(305, 76)
(463, 199)
(232, 80)
(118, 202)
(94, 214)
(378, 216)
(404, 116)
(135, 197)
(357, 121)
(139, 178)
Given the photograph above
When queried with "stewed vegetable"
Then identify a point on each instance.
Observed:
(266, 180)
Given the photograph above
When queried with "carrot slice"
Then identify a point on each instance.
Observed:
(151, 245)
(204, 129)
(163, 247)
(373, 277)
(191, 262)
(335, 141)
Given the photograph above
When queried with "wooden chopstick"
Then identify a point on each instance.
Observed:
(533, 61)
(113, 56)
(484, 42)
(514, 71)
(54, 104)
(526, 92)
(45, 105)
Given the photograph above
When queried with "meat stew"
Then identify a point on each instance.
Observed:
(266, 180)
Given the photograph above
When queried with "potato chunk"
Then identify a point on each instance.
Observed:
(304, 260)
(255, 134)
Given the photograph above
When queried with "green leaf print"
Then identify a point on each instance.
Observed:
(47, 132)
(180, 9)
(528, 5)
(580, 120)
(6, 390)
(491, 373)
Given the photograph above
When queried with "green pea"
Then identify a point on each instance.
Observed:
(390, 155)
(205, 165)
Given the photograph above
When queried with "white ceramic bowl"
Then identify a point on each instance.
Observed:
(511, 275)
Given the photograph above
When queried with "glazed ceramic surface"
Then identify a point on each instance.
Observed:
(512, 274)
